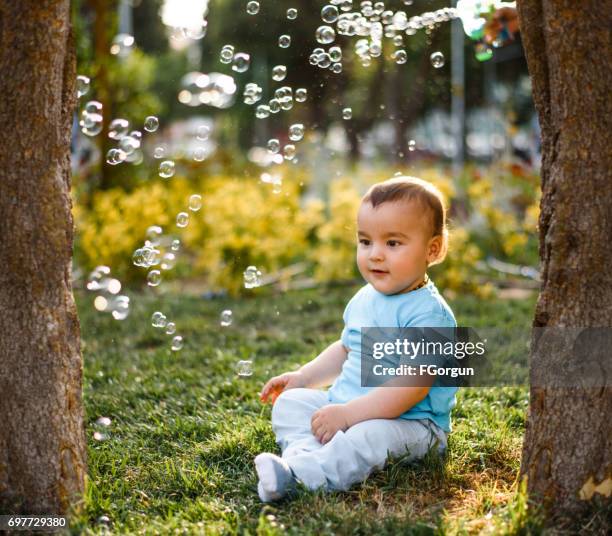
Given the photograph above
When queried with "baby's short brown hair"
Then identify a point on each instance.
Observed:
(406, 188)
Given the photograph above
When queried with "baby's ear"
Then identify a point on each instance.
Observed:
(434, 247)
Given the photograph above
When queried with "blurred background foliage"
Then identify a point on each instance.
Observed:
(493, 197)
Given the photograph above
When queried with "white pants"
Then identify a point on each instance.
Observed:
(349, 457)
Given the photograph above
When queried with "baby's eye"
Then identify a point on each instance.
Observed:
(364, 241)
(393, 243)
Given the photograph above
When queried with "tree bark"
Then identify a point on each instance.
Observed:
(568, 439)
(42, 440)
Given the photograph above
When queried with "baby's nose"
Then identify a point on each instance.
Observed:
(376, 252)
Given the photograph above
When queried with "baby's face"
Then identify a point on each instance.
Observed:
(395, 245)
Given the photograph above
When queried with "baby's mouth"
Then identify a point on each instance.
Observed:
(379, 272)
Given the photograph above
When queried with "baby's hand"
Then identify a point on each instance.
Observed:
(328, 420)
(275, 386)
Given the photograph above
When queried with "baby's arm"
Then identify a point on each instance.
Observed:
(383, 403)
(319, 372)
(326, 367)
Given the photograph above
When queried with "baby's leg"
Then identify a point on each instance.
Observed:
(291, 416)
(352, 455)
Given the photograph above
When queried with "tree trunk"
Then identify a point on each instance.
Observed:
(568, 438)
(42, 440)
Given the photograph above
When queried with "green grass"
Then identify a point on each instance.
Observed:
(185, 427)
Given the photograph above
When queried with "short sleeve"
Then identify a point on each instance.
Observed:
(432, 319)
(345, 331)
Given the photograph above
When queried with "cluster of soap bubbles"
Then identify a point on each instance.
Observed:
(160, 321)
(282, 100)
(330, 59)
(159, 253)
(372, 22)
(213, 89)
(128, 143)
(107, 288)
(240, 60)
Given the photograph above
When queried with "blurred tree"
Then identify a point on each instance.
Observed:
(42, 438)
(568, 440)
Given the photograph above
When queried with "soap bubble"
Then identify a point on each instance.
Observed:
(252, 93)
(120, 307)
(104, 520)
(93, 107)
(325, 35)
(273, 145)
(241, 62)
(296, 132)
(199, 154)
(166, 169)
(244, 368)
(170, 328)
(335, 53)
(252, 7)
(159, 152)
(122, 45)
(336, 68)
(182, 219)
(176, 245)
(279, 72)
(203, 132)
(96, 275)
(83, 84)
(115, 156)
(300, 94)
(262, 111)
(153, 234)
(329, 14)
(274, 106)
(289, 151)
(252, 277)
(100, 303)
(226, 318)
(151, 123)
(129, 144)
(154, 278)
(195, 202)
(118, 128)
(227, 54)
(292, 13)
(284, 41)
(437, 59)
(113, 286)
(100, 436)
(399, 56)
(411, 145)
(324, 60)
(168, 261)
(282, 92)
(158, 319)
(103, 422)
(91, 123)
(177, 343)
(347, 113)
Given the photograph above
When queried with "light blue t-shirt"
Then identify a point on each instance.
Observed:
(424, 307)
